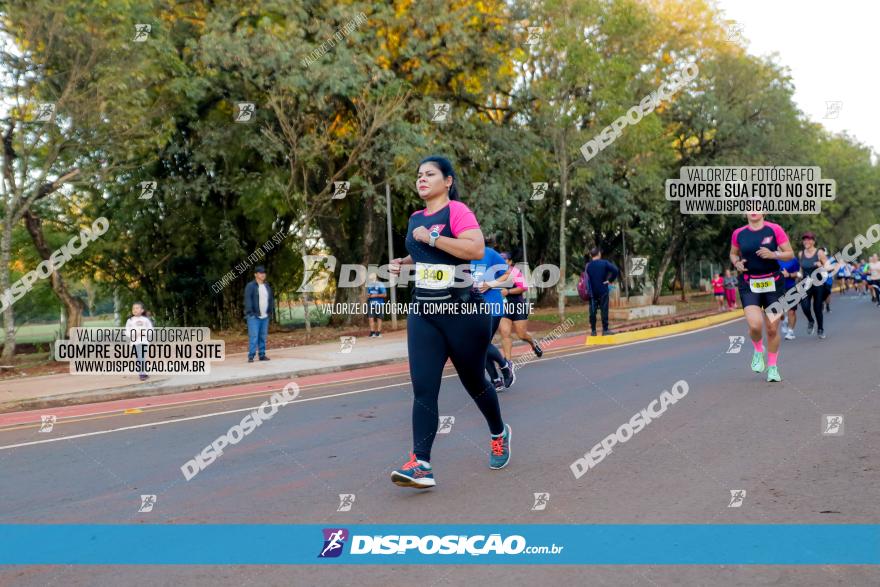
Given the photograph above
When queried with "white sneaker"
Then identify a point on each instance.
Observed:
(789, 335)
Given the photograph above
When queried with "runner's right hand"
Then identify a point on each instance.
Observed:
(394, 266)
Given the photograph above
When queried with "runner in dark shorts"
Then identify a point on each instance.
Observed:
(790, 271)
(755, 251)
(516, 313)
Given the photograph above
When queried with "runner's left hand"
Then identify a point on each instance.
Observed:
(766, 253)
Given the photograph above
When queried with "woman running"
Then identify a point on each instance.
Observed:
(439, 238)
(844, 277)
(809, 258)
(831, 268)
(790, 273)
(489, 274)
(858, 277)
(755, 251)
(874, 277)
(516, 313)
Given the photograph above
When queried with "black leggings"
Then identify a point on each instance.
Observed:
(431, 339)
(493, 355)
(815, 297)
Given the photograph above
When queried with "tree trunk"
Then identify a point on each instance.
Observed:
(563, 210)
(305, 295)
(560, 302)
(682, 279)
(8, 315)
(661, 272)
(73, 305)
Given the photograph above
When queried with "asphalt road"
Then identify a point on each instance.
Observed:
(733, 430)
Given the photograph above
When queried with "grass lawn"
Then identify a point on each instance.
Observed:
(34, 333)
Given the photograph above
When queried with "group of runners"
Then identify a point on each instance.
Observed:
(768, 268)
(861, 277)
(446, 234)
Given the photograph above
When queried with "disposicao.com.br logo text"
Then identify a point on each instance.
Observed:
(394, 544)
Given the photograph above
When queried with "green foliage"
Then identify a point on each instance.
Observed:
(163, 111)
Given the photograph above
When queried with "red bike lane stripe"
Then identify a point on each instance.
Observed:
(231, 392)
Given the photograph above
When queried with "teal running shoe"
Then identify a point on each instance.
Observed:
(414, 473)
(500, 453)
(758, 362)
(773, 373)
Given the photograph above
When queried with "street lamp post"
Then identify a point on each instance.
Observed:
(393, 283)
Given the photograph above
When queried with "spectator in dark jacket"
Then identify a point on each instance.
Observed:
(259, 306)
(601, 273)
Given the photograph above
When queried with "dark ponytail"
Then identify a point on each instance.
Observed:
(447, 171)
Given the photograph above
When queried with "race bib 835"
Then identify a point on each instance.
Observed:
(763, 285)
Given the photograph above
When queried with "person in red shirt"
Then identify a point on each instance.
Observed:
(718, 289)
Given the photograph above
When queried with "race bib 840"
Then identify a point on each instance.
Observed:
(434, 276)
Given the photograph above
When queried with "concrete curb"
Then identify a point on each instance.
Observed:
(664, 330)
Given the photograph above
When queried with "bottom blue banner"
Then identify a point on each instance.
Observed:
(636, 544)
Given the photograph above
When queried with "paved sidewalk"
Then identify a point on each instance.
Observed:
(35, 392)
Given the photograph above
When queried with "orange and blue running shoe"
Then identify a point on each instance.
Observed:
(500, 449)
(414, 473)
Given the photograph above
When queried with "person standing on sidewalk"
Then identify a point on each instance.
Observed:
(376, 295)
(137, 329)
(259, 306)
(718, 290)
(601, 273)
(730, 286)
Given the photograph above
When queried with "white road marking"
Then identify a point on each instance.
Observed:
(357, 391)
(190, 401)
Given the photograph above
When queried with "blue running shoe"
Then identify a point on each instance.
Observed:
(500, 453)
(414, 473)
(508, 375)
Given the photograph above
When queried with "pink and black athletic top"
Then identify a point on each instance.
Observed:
(749, 241)
(451, 221)
(519, 280)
